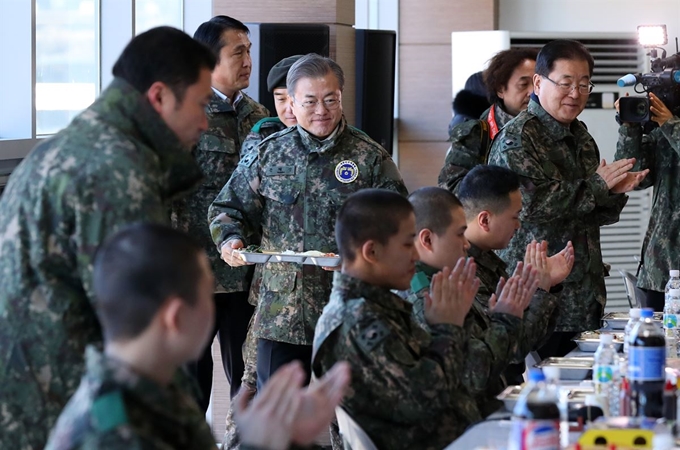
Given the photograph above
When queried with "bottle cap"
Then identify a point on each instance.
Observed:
(635, 313)
(674, 292)
(674, 272)
(536, 375)
(606, 338)
(647, 313)
(663, 441)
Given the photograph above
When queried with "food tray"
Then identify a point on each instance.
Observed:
(254, 258)
(262, 258)
(571, 368)
(575, 395)
(618, 320)
(588, 341)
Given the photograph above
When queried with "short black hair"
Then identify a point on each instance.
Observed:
(487, 188)
(136, 270)
(211, 33)
(432, 206)
(562, 49)
(369, 215)
(163, 54)
(501, 67)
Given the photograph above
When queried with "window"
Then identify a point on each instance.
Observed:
(66, 71)
(154, 13)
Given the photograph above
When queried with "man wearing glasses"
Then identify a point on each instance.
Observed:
(293, 187)
(568, 193)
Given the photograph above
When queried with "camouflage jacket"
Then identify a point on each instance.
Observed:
(293, 189)
(466, 149)
(659, 152)
(115, 164)
(492, 343)
(406, 390)
(563, 199)
(217, 154)
(539, 318)
(115, 408)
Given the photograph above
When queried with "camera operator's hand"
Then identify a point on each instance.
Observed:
(614, 173)
(660, 113)
(632, 180)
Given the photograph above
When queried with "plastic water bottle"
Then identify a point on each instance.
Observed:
(671, 316)
(674, 281)
(536, 417)
(634, 318)
(552, 378)
(646, 367)
(606, 374)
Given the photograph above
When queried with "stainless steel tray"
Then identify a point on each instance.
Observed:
(576, 395)
(254, 258)
(299, 258)
(588, 341)
(618, 320)
(571, 368)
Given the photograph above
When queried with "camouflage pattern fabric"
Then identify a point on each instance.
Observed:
(492, 344)
(115, 408)
(293, 189)
(406, 390)
(261, 130)
(539, 319)
(115, 164)
(466, 149)
(217, 154)
(658, 151)
(563, 199)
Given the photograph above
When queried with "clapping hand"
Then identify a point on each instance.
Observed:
(513, 297)
(451, 293)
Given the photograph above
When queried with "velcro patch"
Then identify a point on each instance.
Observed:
(372, 335)
(248, 159)
(108, 411)
(279, 170)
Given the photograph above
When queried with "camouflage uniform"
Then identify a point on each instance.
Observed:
(217, 154)
(406, 390)
(262, 129)
(466, 149)
(563, 199)
(539, 318)
(492, 343)
(115, 164)
(115, 408)
(659, 152)
(292, 189)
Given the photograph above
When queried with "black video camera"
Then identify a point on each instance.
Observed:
(663, 81)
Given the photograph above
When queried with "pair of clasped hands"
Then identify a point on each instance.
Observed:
(453, 291)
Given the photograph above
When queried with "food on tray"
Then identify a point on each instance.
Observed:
(252, 249)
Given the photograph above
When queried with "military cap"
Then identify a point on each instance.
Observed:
(277, 74)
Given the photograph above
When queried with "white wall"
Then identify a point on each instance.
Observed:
(590, 16)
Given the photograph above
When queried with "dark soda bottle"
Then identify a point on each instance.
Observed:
(646, 367)
(536, 417)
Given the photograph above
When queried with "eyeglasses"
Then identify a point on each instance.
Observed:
(310, 105)
(566, 89)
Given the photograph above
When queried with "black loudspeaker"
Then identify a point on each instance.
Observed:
(375, 62)
(274, 41)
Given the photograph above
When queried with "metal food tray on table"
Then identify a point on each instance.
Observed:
(262, 258)
(618, 320)
(571, 368)
(589, 341)
(575, 395)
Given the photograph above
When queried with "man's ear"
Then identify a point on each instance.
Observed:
(424, 238)
(537, 84)
(370, 251)
(170, 313)
(484, 220)
(157, 94)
